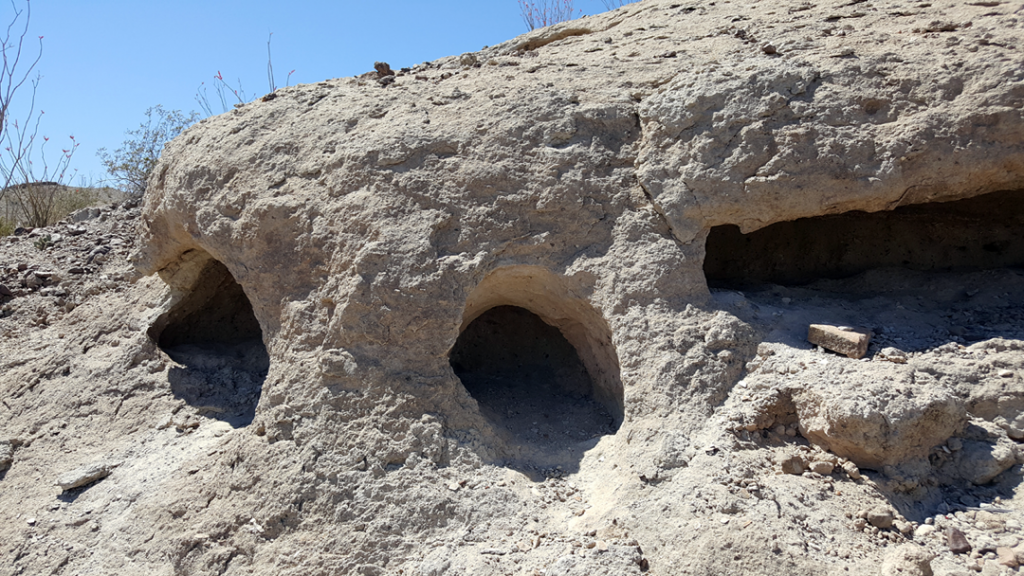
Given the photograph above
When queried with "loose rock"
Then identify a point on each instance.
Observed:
(957, 541)
(908, 560)
(792, 464)
(823, 468)
(843, 340)
(881, 518)
(85, 475)
(1007, 557)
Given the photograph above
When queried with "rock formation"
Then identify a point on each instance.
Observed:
(542, 308)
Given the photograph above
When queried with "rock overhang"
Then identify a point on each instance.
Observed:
(362, 218)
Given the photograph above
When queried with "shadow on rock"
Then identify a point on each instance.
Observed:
(220, 380)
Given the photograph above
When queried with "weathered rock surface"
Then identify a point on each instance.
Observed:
(6, 454)
(908, 560)
(84, 475)
(873, 426)
(310, 376)
(841, 339)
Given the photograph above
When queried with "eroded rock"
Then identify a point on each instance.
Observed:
(364, 225)
(873, 425)
(85, 475)
(908, 560)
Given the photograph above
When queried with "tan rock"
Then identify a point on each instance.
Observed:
(980, 462)
(85, 475)
(851, 470)
(1007, 557)
(874, 428)
(908, 560)
(881, 518)
(849, 341)
(823, 468)
(792, 464)
(924, 531)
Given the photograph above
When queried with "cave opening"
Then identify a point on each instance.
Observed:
(981, 233)
(213, 336)
(530, 381)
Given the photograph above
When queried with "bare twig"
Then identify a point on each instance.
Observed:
(547, 12)
(11, 80)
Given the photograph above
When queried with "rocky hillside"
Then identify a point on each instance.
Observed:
(546, 309)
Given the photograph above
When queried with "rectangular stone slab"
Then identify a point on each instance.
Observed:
(852, 342)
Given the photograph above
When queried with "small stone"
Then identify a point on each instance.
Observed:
(32, 281)
(85, 475)
(851, 342)
(31, 521)
(957, 542)
(851, 470)
(454, 486)
(1007, 557)
(792, 464)
(5, 291)
(1006, 373)
(894, 355)
(880, 518)
(823, 468)
(85, 214)
(924, 531)
(860, 523)
(770, 50)
(905, 528)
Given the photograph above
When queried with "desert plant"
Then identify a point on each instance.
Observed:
(228, 93)
(16, 135)
(31, 191)
(37, 198)
(547, 12)
(13, 75)
(40, 204)
(131, 164)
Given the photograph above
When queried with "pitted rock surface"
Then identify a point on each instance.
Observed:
(457, 318)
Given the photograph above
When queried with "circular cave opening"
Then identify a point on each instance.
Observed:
(216, 341)
(530, 381)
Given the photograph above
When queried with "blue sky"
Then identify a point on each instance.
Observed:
(105, 62)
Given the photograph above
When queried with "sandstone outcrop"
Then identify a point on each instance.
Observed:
(544, 307)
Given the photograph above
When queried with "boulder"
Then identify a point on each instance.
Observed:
(980, 462)
(883, 419)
